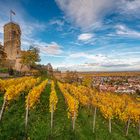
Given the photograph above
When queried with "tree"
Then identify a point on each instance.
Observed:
(138, 91)
(30, 57)
(2, 56)
(71, 76)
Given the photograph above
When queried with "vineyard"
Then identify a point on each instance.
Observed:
(42, 109)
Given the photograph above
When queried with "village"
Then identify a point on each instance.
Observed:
(117, 84)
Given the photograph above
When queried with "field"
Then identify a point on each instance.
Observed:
(12, 125)
(103, 74)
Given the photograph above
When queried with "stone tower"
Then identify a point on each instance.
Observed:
(12, 42)
(49, 69)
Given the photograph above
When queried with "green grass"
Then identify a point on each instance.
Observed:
(3, 70)
(12, 125)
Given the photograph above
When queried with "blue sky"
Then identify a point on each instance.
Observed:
(83, 35)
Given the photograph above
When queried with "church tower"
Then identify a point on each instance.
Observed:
(12, 34)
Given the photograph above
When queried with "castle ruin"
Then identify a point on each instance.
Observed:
(12, 46)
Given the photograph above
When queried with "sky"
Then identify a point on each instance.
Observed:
(81, 35)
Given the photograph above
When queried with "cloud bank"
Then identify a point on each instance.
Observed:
(87, 14)
(84, 13)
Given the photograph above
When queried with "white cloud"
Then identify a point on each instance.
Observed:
(85, 13)
(57, 22)
(46, 49)
(125, 31)
(49, 49)
(131, 6)
(100, 62)
(88, 14)
(98, 57)
(85, 36)
(96, 67)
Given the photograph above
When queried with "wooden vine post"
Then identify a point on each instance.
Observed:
(94, 118)
(74, 118)
(73, 121)
(139, 127)
(3, 108)
(127, 127)
(109, 123)
(27, 114)
(52, 117)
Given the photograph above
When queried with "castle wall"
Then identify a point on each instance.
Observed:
(19, 66)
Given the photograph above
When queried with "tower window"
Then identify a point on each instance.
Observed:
(12, 34)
